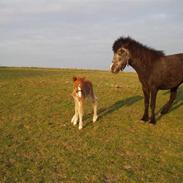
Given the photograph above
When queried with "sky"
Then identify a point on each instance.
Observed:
(80, 33)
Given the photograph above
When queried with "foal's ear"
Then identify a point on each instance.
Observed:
(74, 78)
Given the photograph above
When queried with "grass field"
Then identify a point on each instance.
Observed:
(39, 144)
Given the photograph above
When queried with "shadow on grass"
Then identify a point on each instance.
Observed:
(177, 103)
(117, 105)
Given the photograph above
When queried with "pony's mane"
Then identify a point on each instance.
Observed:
(137, 49)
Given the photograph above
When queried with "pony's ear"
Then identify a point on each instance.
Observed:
(74, 78)
(120, 51)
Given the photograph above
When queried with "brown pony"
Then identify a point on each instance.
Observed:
(155, 70)
(82, 89)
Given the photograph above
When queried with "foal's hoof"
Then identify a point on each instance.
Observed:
(75, 123)
(80, 127)
(74, 120)
(95, 119)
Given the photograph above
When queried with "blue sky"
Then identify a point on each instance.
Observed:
(80, 33)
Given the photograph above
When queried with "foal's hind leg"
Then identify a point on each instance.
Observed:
(94, 109)
(166, 107)
(76, 115)
(94, 103)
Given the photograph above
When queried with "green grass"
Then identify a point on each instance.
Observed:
(39, 144)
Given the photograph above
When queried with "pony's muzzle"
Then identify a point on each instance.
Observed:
(111, 67)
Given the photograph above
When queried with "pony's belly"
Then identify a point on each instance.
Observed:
(164, 88)
(169, 86)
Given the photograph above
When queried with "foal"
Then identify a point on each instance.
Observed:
(82, 89)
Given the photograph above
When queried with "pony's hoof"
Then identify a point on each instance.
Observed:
(80, 127)
(152, 121)
(95, 119)
(145, 118)
(164, 111)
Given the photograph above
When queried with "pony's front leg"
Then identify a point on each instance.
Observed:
(153, 105)
(81, 112)
(74, 119)
(146, 104)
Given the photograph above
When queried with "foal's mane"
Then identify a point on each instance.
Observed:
(137, 50)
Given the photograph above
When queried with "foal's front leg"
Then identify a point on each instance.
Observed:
(81, 112)
(153, 105)
(74, 119)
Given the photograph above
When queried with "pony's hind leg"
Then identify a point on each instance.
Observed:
(166, 107)
(153, 105)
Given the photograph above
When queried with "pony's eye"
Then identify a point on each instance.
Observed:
(119, 58)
